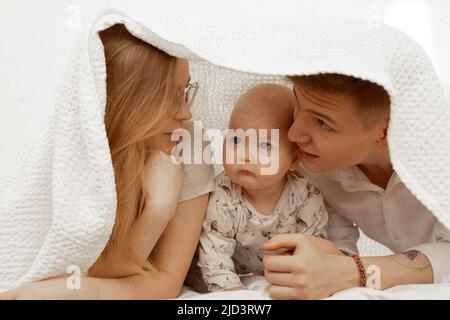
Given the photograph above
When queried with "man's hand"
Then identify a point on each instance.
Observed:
(325, 245)
(309, 273)
(314, 270)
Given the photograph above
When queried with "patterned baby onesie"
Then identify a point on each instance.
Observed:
(233, 229)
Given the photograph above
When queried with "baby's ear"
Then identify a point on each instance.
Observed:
(295, 160)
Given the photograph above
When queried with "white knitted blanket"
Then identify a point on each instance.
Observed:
(58, 205)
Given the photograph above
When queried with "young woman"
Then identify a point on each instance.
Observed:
(160, 205)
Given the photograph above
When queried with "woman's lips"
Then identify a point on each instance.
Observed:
(173, 130)
(170, 134)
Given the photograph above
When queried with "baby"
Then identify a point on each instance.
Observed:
(249, 206)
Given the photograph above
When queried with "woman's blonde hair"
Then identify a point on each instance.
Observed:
(141, 91)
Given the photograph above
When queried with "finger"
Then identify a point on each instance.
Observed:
(176, 155)
(279, 278)
(287, 253)
(284, 293)
(154, 155)
(288, 241)
(278, 263)
(281, 251)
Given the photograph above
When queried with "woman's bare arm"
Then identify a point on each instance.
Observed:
(140, 242)
(152, 285)
(171, 259)
(175, 249)
(162, 180)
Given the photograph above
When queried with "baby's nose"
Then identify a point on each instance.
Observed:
(248, 155)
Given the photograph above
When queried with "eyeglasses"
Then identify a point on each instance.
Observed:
(190, 92)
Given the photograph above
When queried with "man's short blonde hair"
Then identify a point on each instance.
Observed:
(372, 99)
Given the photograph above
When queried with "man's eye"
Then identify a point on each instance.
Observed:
(322, 124)
(265, 145)
(236, 140)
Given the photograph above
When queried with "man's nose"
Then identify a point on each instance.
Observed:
(298, 132)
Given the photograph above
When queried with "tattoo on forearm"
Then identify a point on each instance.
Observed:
(411, 254)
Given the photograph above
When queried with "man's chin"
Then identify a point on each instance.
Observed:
(317, 167)
(314, 166)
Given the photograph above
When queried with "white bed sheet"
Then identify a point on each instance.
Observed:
(258, 291)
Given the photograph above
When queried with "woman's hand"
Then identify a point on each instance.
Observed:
(24, 292)
(311, 272)
(151, 285)
(162, 181)
(49, 289)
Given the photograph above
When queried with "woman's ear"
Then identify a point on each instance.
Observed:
(295, 160)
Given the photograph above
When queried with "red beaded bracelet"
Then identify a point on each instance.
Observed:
(362, 270)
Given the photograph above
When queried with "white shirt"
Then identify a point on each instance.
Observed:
(393, 217)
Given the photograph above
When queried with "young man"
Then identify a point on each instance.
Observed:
(340, 126)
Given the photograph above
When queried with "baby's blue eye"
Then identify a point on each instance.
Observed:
(236, 140)
(265, 145)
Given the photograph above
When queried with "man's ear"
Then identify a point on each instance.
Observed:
(382, 140)
(296, 160)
